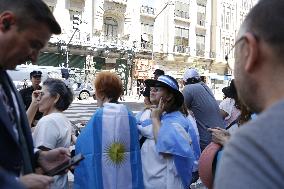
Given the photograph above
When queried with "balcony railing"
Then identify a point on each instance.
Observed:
(118, 1)
(181, 49)
(200, 52)
(182, 14)
(147, 10)
(146, 46)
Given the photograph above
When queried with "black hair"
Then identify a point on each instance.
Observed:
(173, 103)
(30, 11)
(159, 72)
(192, 80)
(58, 87)
(266, 22)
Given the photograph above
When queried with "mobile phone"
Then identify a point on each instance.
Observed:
(62, 167)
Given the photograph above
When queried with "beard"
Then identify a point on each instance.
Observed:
(247, 91)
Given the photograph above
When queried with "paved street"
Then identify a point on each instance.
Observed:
(82, 110)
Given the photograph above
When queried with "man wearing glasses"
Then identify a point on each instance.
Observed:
(253, 158)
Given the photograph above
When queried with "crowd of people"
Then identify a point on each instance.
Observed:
(178, 137)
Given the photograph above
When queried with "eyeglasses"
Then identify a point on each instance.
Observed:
(232, 48)
(237, 41)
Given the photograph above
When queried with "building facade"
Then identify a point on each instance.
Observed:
(227, 17)
(134, 37)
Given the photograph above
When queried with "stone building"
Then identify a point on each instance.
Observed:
(134, 37)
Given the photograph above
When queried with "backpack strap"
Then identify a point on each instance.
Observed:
(233, 123)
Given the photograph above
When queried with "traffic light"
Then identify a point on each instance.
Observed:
(76, 21)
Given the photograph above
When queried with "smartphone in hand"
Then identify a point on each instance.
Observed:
(62, 167)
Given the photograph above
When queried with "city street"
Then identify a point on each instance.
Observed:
(82, 110)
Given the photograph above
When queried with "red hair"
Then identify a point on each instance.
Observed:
(108, 85)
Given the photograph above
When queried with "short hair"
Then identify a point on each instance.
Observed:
(58, 87)
(266, 22)
(29, 11)
(159, 72)
(109, 85)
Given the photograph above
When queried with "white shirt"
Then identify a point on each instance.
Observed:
(53, 131)
(228, 105)
(158, 171)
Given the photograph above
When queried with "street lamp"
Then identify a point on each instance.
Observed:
(166, 5)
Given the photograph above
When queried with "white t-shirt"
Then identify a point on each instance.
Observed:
(53, 131)
(228, 105)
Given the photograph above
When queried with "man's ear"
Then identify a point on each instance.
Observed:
(7, 19)
(252, 51)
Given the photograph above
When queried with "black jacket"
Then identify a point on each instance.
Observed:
(11, 156)
(26, 95)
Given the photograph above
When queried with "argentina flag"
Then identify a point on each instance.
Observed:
(109, 143)
(173, 139)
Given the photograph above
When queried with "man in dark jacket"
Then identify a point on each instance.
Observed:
(35, 77)
(25, 28)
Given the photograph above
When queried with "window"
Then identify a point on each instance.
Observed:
(181, 39)
(110, 27)
(200, 45)
(147, 36)
(182, 10)
(72, 13)
(75, 18)
(147, 28)
(201, 15)
(227, 45)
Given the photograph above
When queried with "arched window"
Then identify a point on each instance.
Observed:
(110, 27)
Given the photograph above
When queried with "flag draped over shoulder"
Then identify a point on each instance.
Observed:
(110, 145)
(173, 139)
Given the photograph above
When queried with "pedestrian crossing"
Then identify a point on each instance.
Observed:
(80, 112)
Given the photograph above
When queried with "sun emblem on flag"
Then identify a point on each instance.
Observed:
(115, 153)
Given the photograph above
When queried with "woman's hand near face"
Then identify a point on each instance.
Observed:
(157, 112)
(35, 96)
(156, 118)
(31, 112)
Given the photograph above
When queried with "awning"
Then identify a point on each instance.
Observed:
(54, 59)
(100, 62)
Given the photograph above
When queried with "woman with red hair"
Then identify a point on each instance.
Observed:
(109, 142)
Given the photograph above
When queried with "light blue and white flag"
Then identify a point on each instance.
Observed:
(173, 138)
(110, 145)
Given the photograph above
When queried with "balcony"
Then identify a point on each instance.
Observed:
(181, 49)
(200, 52)
(147, 10)
(212, 54)
(146, 46)
(123, 2)
(181, 14)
